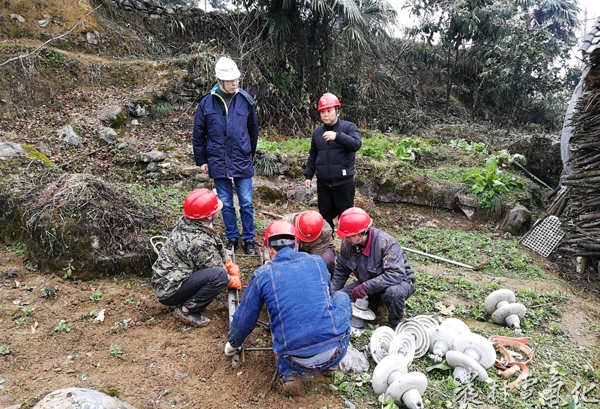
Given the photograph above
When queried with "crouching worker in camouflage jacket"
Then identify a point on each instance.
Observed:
(193, 265)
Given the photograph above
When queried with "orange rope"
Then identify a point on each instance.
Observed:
(508, 366)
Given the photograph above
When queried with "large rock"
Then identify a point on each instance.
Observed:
(80, 398)
(396, 182)
(517, 221)
(10, 149)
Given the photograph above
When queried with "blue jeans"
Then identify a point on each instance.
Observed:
(243, 188)
(291, 367)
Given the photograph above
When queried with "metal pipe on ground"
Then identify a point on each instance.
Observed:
(437, 258)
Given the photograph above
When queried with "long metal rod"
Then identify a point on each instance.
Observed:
(437, 258)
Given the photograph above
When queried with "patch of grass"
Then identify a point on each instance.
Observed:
(295, 146)
(162, 110)
(503, 257)
(450, 174)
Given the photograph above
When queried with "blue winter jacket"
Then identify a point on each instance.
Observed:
(384, 266)
(297, 292)
(226, 137)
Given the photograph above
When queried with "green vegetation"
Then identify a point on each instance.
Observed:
(96, 296)
(18, 248)
(136, 304)
(501, 257)
(49, 292)
(162, 110)
(4, 349)
(491, 183)
(549, 342)
(116, 351)
(63, 326)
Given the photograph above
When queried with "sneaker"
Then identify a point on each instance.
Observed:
(249, 248)
(232, 245)
(190, 318)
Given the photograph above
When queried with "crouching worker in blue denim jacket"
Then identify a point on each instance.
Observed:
(310, 324)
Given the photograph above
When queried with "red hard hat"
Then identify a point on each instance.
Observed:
(279, 228)
(309, 225)
(353, 221)
(328, 100)
(201, 204)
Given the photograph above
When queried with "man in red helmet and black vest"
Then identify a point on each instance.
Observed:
(331, 157)
(314, 235)
(378, 262)
(193, 264)
(310, 324)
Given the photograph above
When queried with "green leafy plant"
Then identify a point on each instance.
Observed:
(505, 157)
(387, 402)
(265, 145)
(18, 248)
(63, 326)
(69, 269)
(136, 304)
(490, 183)
(94, 313)
(374, 152)
(4, 349)
(477, 148)
(49, 292)
(24, 315)
(96, 296)
(116, 351)
(458, 144)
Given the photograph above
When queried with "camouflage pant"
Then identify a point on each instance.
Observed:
(199, 289)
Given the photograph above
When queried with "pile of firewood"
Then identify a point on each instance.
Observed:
(577, 204)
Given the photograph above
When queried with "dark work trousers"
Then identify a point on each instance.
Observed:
(199, 289)
(334, 200)
(394, 297)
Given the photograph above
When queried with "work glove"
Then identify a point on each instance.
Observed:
(235, 278)
(360, 291)
(229, 350)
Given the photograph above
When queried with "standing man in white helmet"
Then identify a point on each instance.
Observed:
(225, 138)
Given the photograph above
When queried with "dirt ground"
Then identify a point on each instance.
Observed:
(165, 364)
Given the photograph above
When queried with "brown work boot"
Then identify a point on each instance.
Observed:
(190, 318)
(292, 388)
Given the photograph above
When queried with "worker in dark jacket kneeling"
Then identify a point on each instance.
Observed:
(378, 262)
(310, 323)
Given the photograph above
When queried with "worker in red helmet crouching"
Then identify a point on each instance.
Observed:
(314, 235)
(193, 265)
(378, 262)
(310, 324)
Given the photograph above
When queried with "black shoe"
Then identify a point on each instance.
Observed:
(249, 248)
(232, 245)
(191, 319)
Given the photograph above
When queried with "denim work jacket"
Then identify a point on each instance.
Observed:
(297, 292)
(226, 137)
(384, 266)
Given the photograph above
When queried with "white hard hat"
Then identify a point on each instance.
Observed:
(226, 69)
